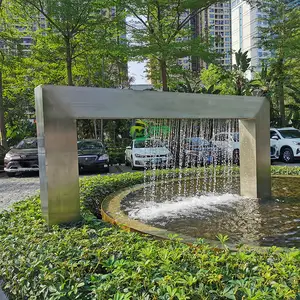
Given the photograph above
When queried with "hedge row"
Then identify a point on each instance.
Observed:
(93, 260)
(116, 155)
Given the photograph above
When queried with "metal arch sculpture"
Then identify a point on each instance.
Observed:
(58, 107)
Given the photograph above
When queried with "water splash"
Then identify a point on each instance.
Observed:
(182, 206)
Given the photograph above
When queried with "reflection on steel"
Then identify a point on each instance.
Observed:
(58, 107)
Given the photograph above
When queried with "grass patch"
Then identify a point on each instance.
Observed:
(93, 260)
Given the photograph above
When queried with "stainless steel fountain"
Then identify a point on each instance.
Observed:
(58, 107)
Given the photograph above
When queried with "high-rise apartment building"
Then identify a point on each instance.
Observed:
(245, 23)
(215, 22)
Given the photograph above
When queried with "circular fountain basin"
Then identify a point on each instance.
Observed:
(193, 210)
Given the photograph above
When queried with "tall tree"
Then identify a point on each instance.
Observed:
(161, 30)
(9, 48)
(278, 35)
(70, 20)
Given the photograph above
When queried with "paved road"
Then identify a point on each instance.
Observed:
(278, 163)
(18, 188)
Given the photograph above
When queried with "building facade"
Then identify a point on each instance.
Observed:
(214, 25)
(215, 22)
(244, 27)
(245, 24)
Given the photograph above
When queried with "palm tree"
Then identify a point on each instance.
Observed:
(263, 85)
(238, 73)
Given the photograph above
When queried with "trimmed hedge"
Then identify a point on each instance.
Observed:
(93, 260)
(116, 155)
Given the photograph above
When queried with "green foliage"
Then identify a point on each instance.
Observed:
(219, 78)
(279, 35)
(93, 260)
(116, 155)
(242, 62)
(163, 34)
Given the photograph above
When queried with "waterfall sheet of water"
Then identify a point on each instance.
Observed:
(193, 144)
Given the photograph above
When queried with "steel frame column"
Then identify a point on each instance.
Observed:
(58, 107)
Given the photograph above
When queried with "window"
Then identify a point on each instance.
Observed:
(27, 144)
(290, 133)
(236, 137)
(148, 144)
(273, 133)
(89, 145)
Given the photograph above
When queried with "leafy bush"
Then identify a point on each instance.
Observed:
(116, 155)
(93, 260)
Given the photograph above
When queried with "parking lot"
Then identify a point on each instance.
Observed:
(17, 188)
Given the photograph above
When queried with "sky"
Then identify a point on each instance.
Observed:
(136, 69)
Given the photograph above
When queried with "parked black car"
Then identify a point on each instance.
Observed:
(92, 156)
(2, 154)
(22, 158)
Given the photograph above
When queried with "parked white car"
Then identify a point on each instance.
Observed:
(230, 143)
(287, 141)
(143, 153)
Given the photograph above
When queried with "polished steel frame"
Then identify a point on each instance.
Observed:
(58, 107)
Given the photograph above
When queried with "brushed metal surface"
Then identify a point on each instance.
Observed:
(58, 162)
(255, 162)
(58, 107)
(89, 103)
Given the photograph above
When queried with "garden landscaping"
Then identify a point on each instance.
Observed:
(94, 260)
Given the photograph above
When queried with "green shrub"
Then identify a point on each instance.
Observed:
(93, 260)
(116, 155)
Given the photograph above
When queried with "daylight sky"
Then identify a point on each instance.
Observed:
(135, 69)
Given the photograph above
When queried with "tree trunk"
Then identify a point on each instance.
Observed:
(164, 79)
(281, 103)
(69, 61)
(280, 91)
(3, 140)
